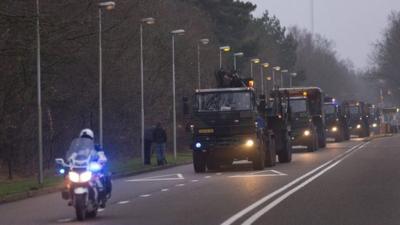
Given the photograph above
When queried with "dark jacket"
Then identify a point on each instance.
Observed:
(148, 134)
(159, 135)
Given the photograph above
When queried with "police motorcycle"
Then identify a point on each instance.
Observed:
(83, 177)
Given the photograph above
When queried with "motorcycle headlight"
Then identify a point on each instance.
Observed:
(85, 176)
(307, 133)
(334, 129)
(73, 176)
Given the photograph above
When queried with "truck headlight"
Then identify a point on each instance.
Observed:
(198, 145)
(358, 126)
(249, 143)
(334, 129)
(307, 133)
(374, 125)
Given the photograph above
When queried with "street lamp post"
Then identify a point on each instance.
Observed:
(147, 21)
(222, 49)
(292, 75)
(39, 95)
(173, 33)
(282, 72)
(203, 41)
(107, 6)
(262, 66)
(237, 54)
(253, 61)
(276, 68)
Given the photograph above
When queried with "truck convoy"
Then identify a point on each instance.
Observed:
(307, 117)
(374, 118)
(358, 121)
(228, 123)
(336, 120)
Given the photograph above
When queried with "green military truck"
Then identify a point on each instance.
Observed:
(307, 117)
(229, 124)
(336, 120)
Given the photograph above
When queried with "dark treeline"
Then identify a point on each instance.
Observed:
(386, 62)
(69, 33)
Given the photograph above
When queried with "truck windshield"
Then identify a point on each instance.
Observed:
(223, 101)
(353, 110)
(329, 109)
(298, 105)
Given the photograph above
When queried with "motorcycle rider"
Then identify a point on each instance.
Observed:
(105, 185)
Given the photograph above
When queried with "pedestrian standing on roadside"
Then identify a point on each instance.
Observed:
(160, 139)
(148, 140)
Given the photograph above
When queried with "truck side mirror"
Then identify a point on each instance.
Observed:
(185, 105)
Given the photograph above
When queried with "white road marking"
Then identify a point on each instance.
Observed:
(195, 181)
(165, 189)
(207, 177)
(65, 220)
(271, 205)
(100, 210)
(180, 185)
(263, 173)
(145, 196)
(256, 204)
(123, 202)
(218, 174)
(167, 177)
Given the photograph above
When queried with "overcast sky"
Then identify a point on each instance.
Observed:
(353, 25)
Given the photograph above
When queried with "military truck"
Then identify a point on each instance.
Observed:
(307, 117)
(336, 121)
(358, 120)
(374, 118)
(228, 123)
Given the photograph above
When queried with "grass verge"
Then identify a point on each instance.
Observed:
(118, 168)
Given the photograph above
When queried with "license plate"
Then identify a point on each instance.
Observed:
(206, 131)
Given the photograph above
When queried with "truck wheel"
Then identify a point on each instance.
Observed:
(285, 155)
(270, 153)
(340, 136)
(199, 162)
(313, 145)
(321, 139)
(212, 164)
(259, 157)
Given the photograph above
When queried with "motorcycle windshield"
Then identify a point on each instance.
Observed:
(81, 149)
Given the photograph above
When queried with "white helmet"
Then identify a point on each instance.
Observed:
(88, 133)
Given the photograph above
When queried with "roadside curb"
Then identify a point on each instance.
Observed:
(49, 190)
(377, 136)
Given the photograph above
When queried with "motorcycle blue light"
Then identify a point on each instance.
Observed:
(198, 145)
(94, 167)
(61, 171)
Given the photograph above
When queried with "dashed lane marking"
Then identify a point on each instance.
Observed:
(263, 173)
(167, 177)
(123, 202)
(194, 181)
(180, 185)
(165, 189)
(65, 220)
(207, 177)
(145, 196)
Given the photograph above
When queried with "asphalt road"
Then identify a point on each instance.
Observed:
(353, 182)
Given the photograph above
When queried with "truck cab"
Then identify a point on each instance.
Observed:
(336, 121)
(374, 118)
(307, 117)
(358, 120)
(226, 125)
